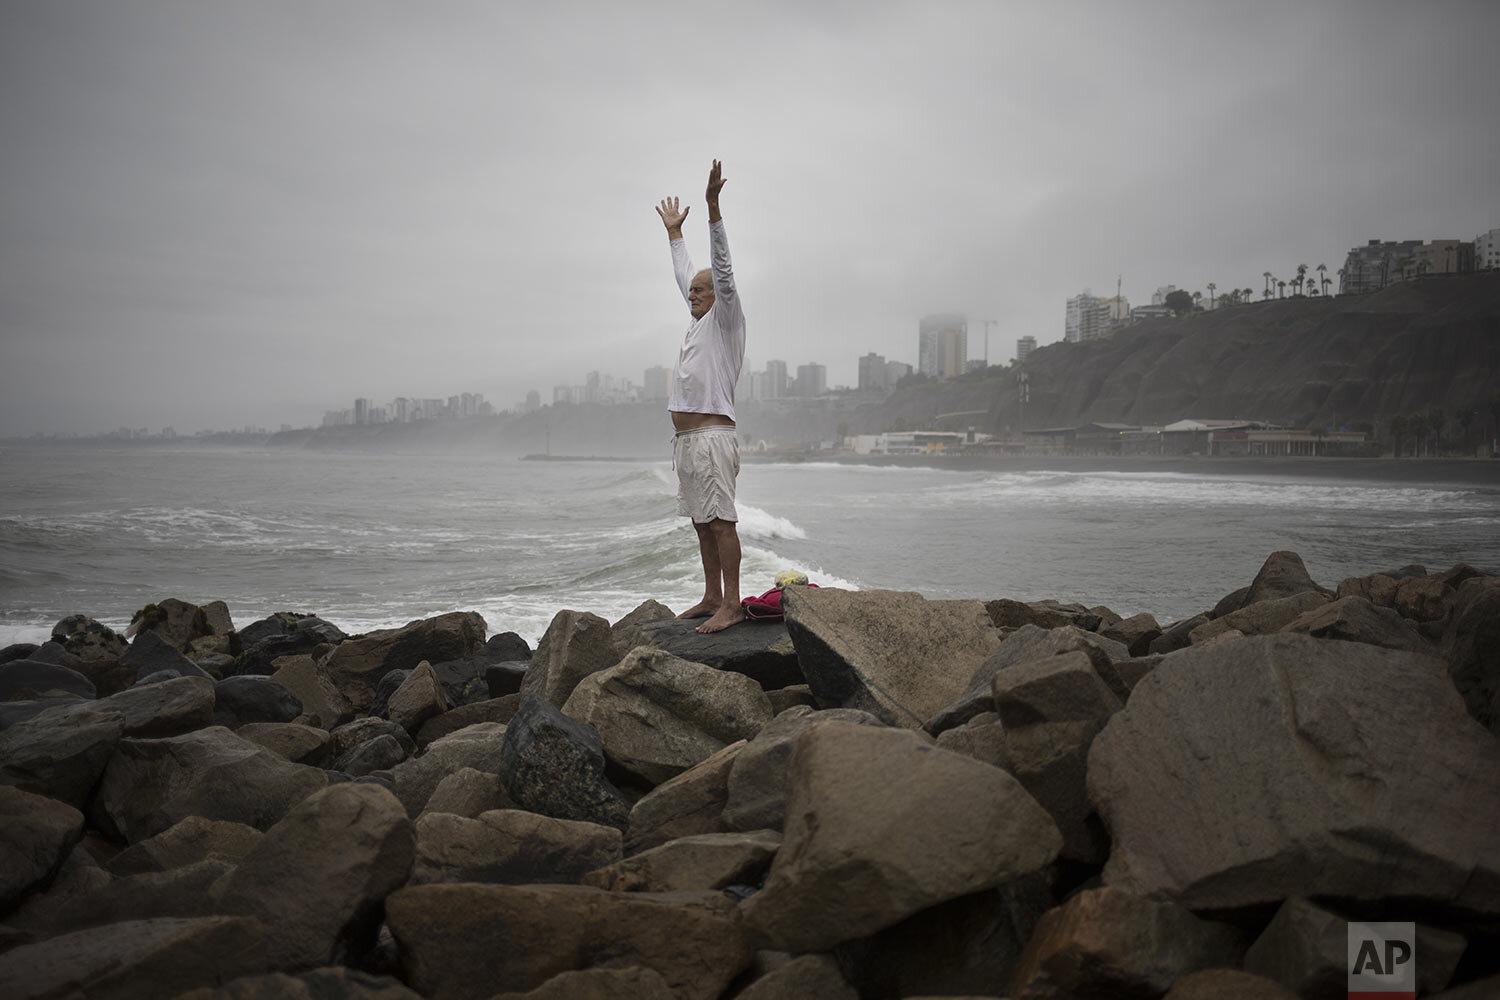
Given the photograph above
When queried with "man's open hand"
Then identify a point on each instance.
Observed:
(716, 181)
(670, 216)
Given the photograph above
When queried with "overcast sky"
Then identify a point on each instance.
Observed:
(225, 213)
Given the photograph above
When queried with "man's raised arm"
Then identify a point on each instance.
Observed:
(718, 248)
(682, 264)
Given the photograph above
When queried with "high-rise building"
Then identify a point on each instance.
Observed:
(1024, 346)
(657, 380)
(1487, 250)
(775, 379)
(942, 345)
(895, 371)
(1376, 264)
(533, 400)
(872, 371)
(1089, 317)
(362, 411)
(812, 380)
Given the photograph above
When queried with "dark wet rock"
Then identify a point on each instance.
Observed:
(1135, 633)
(1282, 575)
(335, 982)
(136, 959)
(389, 684)
(505, 677)
(1227, 984)
(467, 792)
(554, 765)
(29, 680)
(18, 651)
(1177, 635)
(761, 650)
(149, 653)
(1232, 601)
(175, 892)
(381, 753)
(627, 632)
(322, 704)
(61, 752)
(896, 655)
(1471, 647)
(151, 784)
(242, 700)
(12, 712)
(352, 734)
(419, 698)
(804, 976)
(180, 623)
(356, 665)
(506, 647)
(37, 834)
(98, 648)
(966, 946)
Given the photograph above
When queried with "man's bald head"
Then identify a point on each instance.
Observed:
(701, 293)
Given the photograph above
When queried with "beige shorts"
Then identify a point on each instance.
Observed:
(707, 461)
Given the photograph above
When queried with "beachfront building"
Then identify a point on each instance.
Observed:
(1024, 347)
(1376, 264)
(1443, 257)
(873, 373)
(942, 345)
(914, 442)
(812, 380)
(776, 380)
(895, 371)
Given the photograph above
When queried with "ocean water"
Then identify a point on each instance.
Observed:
(374, 541)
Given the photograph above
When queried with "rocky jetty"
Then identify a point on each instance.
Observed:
(883, 796)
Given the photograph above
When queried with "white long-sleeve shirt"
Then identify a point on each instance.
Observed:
(713, 349)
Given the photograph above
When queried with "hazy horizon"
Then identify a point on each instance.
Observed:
(250, 214)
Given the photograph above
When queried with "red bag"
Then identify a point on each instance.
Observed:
(766, 607)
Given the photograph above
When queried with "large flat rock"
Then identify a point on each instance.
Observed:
(760, 650)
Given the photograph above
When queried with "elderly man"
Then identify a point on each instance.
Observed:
(706, 450)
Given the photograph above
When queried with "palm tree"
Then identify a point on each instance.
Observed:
(1249, 293)
(1400, 425)
(1197, 298)
(1301, 277)
(1269, 279)
(1281, 289)
(1323, 277)
(1417, 424)
(1211, 287)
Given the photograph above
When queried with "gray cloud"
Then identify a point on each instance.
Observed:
(223, 214)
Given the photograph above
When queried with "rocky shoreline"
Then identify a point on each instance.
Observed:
(882, 796)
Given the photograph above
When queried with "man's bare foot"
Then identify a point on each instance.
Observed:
(702, 609)
(723, 618)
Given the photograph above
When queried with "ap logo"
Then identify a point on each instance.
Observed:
(1382, 961)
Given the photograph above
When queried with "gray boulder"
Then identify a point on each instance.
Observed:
(253, 698)
(175, 892)
(356, 665)
(389, 684)
(1178, 635)
(1135, 633)
(320, 876)
(184, 843)
(704, 861)
(761, 650)
(479, 746)
(757, 786)
(1006, 613)
(501, 710)
(626, 633)
(467, 792)
(1050, 760)
(554, 765)
(447, 932)
(383, 753)
(657, 714)
(1062, 688)
(322, 704)
(352, 734)
(290, 741)
(1355, 619)
(26, 680)
(804, 976)
(691, 803)
(61, 752)
(880, 825)
(95, 652)
(1260, 618)
(575, 645)
(335, 982)
(419, 698)
(510, 846)
(151, 784)
(1471, 646)
(149, 653)
(896, 655)
(1024, 645)
(1301, 754)
(35, 837)
(1108, 943)
(172, 705)
(135, 959)
(1282, 575)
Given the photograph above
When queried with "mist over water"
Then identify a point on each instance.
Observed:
(374, 541)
